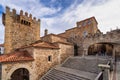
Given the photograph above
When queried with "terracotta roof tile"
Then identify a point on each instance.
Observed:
(43, 44)
(16, 56)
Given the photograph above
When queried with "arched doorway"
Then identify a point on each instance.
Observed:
(101, 49)
(20, 74)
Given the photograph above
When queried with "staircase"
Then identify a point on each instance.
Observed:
(76, 68)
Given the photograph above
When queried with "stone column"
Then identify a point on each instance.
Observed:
(85, 52)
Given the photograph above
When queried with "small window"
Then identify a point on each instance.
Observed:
(21, 21)
(89, 21)
(49, 58)
(25, 22)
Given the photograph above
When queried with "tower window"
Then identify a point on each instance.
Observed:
(25, 22)
(50, 58)
(21, 21)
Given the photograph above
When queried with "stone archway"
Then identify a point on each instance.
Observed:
(101, 49)
(20, 74)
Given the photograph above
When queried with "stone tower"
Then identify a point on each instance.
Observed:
(20, 29)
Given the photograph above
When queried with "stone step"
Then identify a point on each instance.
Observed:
(79, 73)
(85, 64)
(76, 69)
(59, 75)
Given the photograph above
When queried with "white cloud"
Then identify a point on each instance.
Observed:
(31, 6)
(107, 15)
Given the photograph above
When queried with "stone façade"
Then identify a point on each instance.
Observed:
(20, 29)
(83, 28)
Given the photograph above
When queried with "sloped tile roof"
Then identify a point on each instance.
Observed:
(16, 56)
(43, 44)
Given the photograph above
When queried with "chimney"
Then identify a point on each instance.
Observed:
(46, 32)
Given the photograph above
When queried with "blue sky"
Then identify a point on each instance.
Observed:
(59, 15)
(1, 9)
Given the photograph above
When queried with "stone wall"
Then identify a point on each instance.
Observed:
(65, 51)
(42, 63)
(47, 38)
(58, 39)
(20, 29)
(87, 26)
(53, 38)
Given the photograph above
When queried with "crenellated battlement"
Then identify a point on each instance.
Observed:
(22, 17)
(21, 29)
